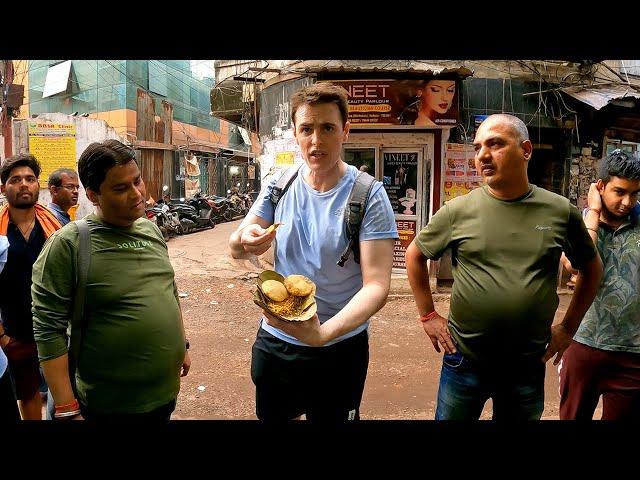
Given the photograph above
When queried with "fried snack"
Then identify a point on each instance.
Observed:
(274, 290)
(273, 227)
(289, 307)
(298, 285)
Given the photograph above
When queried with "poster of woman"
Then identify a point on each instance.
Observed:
(433, 104)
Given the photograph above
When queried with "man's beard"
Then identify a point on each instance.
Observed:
(20, 204)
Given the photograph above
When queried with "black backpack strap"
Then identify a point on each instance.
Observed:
(354, 214)
(78, 322)
(283, 183)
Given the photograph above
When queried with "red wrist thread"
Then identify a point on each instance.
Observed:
(428, 316)
(75, 405)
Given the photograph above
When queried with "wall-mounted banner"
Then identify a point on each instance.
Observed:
(425, 103)
(400, 180)
(406, 234)
(54, 145)
(460, 174)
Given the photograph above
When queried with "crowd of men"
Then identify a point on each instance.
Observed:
(78, 313)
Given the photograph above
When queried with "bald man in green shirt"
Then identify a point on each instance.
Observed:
(506, 240)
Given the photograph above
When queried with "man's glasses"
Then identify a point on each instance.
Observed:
(71, 187)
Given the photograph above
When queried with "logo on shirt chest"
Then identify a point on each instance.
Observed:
(542, 227)
(139, 245)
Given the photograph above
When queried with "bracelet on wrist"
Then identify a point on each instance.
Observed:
(428, 316)
(68, 407)
(67, 415)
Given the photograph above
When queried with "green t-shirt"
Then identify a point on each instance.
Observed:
(505, 258)
(612, 322)
(133, 348)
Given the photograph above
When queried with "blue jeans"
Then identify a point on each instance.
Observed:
(517, 391)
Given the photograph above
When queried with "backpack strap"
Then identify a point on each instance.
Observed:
(354, 214)
(283, 183)
(78, 322)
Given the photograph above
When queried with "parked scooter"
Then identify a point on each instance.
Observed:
(192, 219)
(203, 207)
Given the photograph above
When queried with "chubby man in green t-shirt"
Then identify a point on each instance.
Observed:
(133, 348)
(506, 240)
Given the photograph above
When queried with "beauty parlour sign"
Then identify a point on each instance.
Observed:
(417, 103)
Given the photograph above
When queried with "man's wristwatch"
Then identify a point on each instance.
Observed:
(186, 345)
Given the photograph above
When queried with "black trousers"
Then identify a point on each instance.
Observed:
(325, 383)
(8, 405)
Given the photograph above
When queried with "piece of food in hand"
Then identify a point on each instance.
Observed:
(273, 227)
(275, 290)
(298, 285)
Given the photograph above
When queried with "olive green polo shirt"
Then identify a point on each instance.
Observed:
(505, 258)
(133, 348)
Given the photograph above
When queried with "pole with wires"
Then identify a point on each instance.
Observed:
(5, 117)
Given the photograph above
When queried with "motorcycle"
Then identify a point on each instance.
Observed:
(164, 217)
(205, 210)
(236, 208)
(218, 206)
(167, 220)
(190, 218)
(246, 197)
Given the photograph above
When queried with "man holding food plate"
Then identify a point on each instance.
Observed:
(306, 363)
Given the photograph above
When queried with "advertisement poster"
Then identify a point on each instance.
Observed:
(426, 103)
(284, 158)
(54, 145)
(400, 180)
(406, 232)
(460, 175)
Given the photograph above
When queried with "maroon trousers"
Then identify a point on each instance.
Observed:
(587, 372)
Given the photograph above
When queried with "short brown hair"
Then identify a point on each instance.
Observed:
(20, 160)
(321, 92)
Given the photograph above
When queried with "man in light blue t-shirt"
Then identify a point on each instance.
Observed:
(318, 367)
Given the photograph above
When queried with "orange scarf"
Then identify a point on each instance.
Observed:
(45, 217)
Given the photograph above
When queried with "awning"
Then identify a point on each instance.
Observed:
(599, 96)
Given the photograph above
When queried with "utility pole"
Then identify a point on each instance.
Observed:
(5, 118)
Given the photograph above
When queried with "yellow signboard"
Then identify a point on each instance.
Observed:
(284, 158)
(54, 145)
